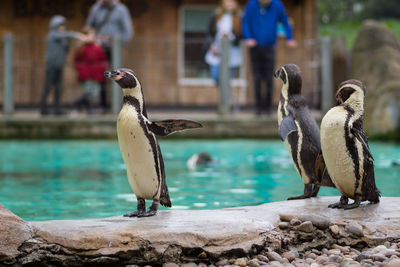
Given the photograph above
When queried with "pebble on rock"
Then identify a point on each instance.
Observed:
(241, 262)
(392, 263)
(321, 259)
(283, 225)
(286, 217)
(335, 258)
(378, 257)
(275, 264)
(355, 229)
(306, 227)
(253, 263)
(273, 256)
(263, 258)
(288, 255)
(170, 264)
(295, 222)
(221, 262)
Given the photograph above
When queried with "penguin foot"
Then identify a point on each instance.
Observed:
(315, 191)
(303, 196)
(337, 205)
(134, 214)
(152, 210)
(141, 209)
(148, 214)
(308, 192)
(353, 205)
(341, 204)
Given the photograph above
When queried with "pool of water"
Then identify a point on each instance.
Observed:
(42, 180)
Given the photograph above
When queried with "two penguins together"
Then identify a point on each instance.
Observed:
(338, 156)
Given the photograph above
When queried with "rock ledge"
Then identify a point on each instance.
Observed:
(193, 236)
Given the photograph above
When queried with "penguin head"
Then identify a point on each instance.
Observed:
(290, 75)
(350, 91)
(126, 78)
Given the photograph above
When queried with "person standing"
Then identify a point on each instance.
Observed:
(260, 21)
(109, 18)
(90, 63)
(58, 40)
(225, 22)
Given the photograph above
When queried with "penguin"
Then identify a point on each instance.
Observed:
(300, 132)
(345, 147)
(201, 159)
(138, 144)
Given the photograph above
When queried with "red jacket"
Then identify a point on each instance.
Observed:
(91, 62)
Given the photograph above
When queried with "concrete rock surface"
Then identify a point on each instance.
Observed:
(175, 236)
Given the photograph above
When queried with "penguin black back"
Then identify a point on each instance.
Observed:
(290, 74)
(298, 130)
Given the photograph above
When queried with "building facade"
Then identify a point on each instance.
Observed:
(167, 50)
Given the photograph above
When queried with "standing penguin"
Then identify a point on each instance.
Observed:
(299, 131)
(345, 147)
(138, 144)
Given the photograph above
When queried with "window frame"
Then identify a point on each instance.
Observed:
(186, 81)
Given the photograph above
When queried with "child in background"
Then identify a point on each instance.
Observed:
(57, 49)
(90, 63)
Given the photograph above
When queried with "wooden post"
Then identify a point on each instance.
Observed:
(224, 76)
(8, 94)
(116, 49)
(327, 96)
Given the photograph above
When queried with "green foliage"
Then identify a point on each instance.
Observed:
(378, 9)
(337, 11)
(334, 11)
(349, 29)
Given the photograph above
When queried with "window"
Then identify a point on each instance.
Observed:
(193, 70)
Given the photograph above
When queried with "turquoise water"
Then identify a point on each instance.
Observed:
(42, 180)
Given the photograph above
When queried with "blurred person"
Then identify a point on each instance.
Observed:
(260, 21)
(109, 18)
(90, 63)
(58, 40)
(226, 21)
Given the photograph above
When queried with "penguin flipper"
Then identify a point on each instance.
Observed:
(164, 196)
(287, 127)
(166, 127)
(360, 135)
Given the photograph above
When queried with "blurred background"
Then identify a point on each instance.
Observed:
(336, 40)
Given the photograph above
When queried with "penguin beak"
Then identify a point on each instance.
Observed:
(277, 73)
(113, 74)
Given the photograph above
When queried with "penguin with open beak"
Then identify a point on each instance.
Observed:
(299, 132)
(345, 147)
(138, 144)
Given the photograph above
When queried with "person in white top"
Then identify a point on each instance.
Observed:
(226, 21)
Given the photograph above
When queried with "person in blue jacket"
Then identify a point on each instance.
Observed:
(259, 29)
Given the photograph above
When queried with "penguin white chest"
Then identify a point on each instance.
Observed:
(336, 155)
(139, 152)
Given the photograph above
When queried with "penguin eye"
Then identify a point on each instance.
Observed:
(127, 81)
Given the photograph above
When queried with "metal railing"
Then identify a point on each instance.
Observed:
(20, 68)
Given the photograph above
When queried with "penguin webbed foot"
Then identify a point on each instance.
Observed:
(341, 204)
(136, 213)
(315, 191)
(308, 192)
(148, 213)
(152, 210)
(303, 196)
(141, 209)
